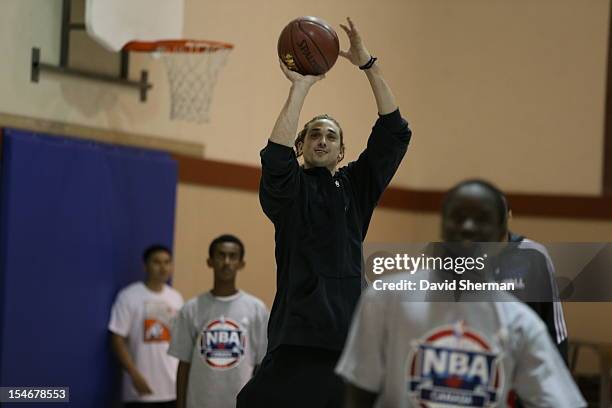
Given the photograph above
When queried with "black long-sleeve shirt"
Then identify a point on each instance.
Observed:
(320, 223)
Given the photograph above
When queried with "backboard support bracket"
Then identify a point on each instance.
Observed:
(143, 85)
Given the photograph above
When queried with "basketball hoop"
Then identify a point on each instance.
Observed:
(192, 67)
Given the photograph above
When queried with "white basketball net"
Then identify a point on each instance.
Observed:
(192, 77)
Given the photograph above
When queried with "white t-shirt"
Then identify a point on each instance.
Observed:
(453, 354)
(145, 318)
(223, 338)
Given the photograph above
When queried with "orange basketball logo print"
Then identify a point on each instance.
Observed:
(157, 322)
(155, 331)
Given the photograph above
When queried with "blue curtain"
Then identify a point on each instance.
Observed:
(74, 218)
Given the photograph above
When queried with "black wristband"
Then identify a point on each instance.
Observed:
(368, 64)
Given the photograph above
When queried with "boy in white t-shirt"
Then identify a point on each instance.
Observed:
(405, 351)
(140, 327)
(220, 336)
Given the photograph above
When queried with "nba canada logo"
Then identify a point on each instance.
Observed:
(222, 343)
(454, 366)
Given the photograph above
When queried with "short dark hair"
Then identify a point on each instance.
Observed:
(501, 203)
(226, 238)
(149, 251)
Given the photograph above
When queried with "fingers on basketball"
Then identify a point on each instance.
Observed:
(352, 27)
(346, 29)
(351, 31)
(289, 73)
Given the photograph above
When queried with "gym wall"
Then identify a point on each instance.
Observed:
(511, 89)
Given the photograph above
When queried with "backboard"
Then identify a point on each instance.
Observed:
(114, 23)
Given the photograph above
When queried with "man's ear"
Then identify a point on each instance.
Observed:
(241, 264)
(299, 146)
(209, 262)
(341, 154)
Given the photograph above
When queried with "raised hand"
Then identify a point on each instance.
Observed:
(297, 78)
(357, 54)
(285, 128)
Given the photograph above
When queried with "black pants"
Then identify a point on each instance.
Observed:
(165, 404)
(296, 377)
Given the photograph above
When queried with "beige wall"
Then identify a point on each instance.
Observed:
(515, 86)
(475, 77)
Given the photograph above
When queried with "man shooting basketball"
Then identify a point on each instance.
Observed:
(321, 215)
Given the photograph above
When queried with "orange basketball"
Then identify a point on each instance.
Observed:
(308, 45)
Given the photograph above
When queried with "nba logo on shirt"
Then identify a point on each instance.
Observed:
(222, 343)
(454, 366)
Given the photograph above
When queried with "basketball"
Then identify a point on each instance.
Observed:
(308, 45)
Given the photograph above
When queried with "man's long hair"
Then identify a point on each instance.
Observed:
(302, 134)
